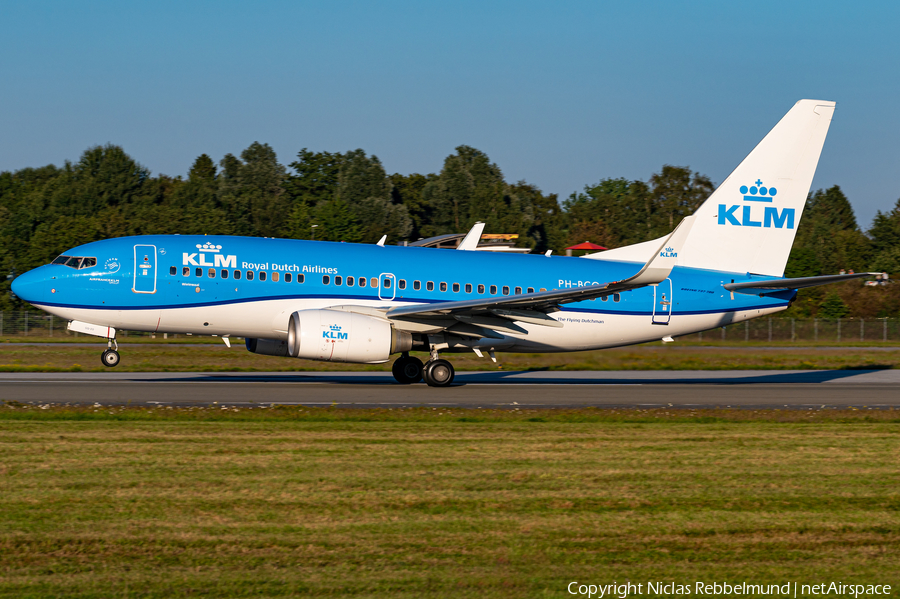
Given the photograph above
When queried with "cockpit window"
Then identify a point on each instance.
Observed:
(76, 261)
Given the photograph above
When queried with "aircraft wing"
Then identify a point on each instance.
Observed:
(753, 287)
(497, 313)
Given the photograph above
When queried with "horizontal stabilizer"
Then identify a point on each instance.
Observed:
(800, 283)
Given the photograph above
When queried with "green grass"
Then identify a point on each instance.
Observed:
(218, 358)
(286, 502)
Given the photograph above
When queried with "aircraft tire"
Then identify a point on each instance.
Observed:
(439, 373)
(407, 370)
(110, 358)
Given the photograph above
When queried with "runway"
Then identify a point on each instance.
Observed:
(495, 389)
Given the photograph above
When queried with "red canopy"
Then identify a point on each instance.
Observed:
(587, 245)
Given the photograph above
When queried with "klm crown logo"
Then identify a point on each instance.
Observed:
(334, 332)
(757, 193)
(208, 247)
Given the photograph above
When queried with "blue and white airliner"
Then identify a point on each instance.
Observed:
(346, 302)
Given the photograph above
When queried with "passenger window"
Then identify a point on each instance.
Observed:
(468, 287)
(605, 298)
(506, 290)
(374, 282)
(275, 277)
(518, 291)
(249, 275)
(362, 281)
(339, 280)
(443, 286)
(211, 273)
(429, 285)
(387, 283)
(186, 271)
(172, 270)
(401, 284)
(455, 287)
(531, 290)
(493, 290)
(224, 274)
(417, 285)
(237, 274)
(616, 297)
(349, 281)
(198, 272)
(326, 279)
(480, 288)
(301, 278)
(288, 277)
(262, 275)
(543, 289)
(91, 262)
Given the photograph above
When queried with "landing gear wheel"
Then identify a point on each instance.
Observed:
(110, 358)
(439, 373)
(407, 370)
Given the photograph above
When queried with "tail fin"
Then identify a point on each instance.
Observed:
(748, 224)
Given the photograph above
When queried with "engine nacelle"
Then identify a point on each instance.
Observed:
(267, 347)
(337, 336)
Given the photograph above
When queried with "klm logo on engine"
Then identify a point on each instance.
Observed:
(750, 215)
(334, 332)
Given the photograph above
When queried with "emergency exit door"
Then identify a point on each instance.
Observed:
(662, 302)
(144, 269)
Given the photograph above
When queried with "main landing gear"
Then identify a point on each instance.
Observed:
(436, 372)
(110, 357)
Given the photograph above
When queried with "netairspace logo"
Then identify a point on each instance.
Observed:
(720, 589)
(749, 214)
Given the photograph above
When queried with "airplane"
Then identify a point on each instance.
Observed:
(363, 303)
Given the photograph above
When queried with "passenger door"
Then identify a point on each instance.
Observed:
(144, 269)
(662, 302)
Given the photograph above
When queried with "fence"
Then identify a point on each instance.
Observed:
(24, 323)
(28, 323)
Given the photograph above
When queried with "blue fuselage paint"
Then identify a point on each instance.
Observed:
(694, 291)
(182, 283)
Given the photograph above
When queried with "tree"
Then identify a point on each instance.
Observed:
(829, 236)
(251, 189)
(366, 190)
(833, 307)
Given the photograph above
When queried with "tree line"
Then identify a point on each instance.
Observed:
(350, 197)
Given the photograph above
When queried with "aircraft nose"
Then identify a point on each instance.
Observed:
(31, 286)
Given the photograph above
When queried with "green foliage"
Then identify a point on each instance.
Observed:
(828, 238)
(833, 307)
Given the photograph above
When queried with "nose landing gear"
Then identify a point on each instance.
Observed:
(110, 357)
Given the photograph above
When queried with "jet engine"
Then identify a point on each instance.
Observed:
(337, 336)
(267, 347)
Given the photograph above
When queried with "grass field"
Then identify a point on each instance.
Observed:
(288, 502)
(179, 357)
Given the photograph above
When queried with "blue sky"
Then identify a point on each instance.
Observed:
(561, 94)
